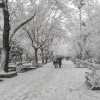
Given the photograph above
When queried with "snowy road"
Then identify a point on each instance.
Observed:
(48, 83)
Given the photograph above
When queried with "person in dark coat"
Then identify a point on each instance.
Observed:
(59, 61)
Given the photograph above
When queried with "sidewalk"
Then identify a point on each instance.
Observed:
(49, 83)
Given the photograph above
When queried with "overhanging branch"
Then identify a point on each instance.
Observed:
(13, 31)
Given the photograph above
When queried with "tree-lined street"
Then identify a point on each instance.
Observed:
(48, 83)
(35, 33)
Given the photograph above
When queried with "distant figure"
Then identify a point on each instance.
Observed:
(53, 56)
(55, 61)
(13, 61)
(59, 61)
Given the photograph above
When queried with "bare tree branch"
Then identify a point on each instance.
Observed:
(28, 33)
(13, 31)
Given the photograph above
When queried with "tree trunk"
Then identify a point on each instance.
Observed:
(36, 58)
(51, 55)
(81, 49)
(21, 59)
(80, 20)
(6, 48)
(46, 60)
(87, 52)
(27, 57)
(42, 55)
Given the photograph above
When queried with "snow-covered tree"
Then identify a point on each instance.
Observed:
(6, 31)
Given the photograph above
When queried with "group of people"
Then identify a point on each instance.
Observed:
(57, 60)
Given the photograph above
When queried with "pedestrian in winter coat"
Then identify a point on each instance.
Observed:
(55, 61)
(59, 61)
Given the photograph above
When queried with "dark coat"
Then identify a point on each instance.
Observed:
(59, 61)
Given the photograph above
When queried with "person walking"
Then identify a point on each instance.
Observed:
(55, 61)
(59, 60)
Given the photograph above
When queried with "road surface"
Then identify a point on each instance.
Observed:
(49, 83)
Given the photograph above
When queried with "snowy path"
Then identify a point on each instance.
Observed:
(48, 83)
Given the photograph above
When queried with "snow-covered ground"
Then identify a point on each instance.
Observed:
(48, 83)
